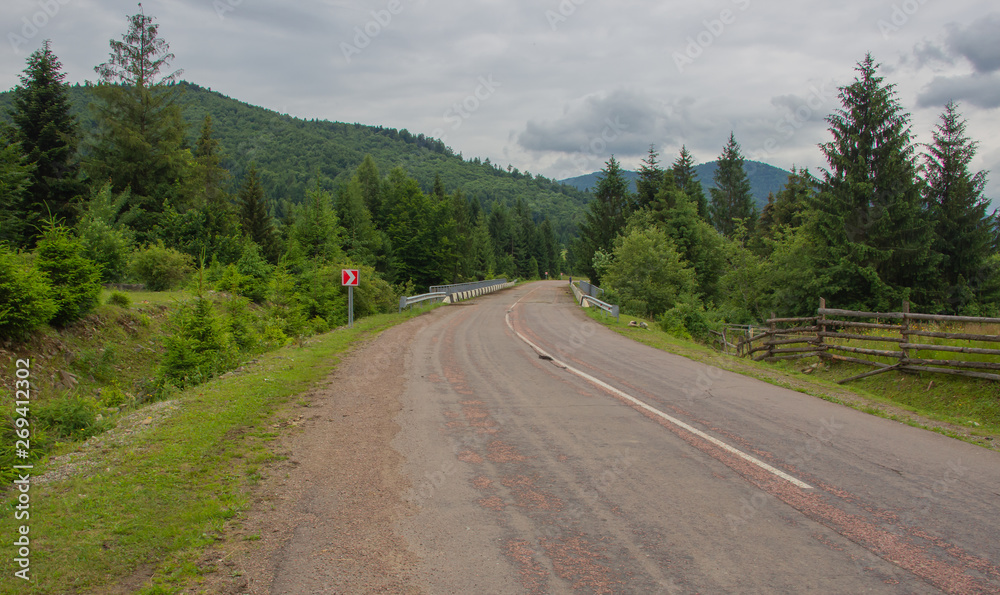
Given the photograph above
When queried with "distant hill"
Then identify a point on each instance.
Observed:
(764, 179)
(291, 152)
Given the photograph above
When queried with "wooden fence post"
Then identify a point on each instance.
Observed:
(770, 339)
(822, 328)
(905, 332)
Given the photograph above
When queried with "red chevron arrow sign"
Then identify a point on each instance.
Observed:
(349, 277)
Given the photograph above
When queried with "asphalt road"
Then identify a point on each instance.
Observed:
(605, 466)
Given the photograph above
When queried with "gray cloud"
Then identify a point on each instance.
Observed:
(979, 42)
(979, 90)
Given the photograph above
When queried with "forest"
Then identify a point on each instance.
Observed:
(887, 221)
(124, 189)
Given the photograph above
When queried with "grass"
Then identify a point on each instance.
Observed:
(963, 408)
(151, 508)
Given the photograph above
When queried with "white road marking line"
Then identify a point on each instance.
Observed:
(653, 410)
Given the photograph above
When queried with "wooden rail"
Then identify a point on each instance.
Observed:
(826, 334)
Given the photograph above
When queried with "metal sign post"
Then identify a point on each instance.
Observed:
(349, 277)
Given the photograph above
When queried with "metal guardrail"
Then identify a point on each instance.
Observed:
(405, 302)
(591, 290)
(611, 309)
(458, 287)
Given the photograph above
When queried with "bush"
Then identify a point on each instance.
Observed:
(76, 281)
(120, 299)
(160, 268)
(25, 297)
(73, 417)
(197, 349)
(647, 272)
(688, 319)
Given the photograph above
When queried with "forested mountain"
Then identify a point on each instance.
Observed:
(290, 152)
(764, 179)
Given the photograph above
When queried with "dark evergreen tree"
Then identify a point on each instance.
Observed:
(15, 180)
(786, 209)
(870, 234)
(361, 239)
(686, 179)
(48, 135)
(650, 179)
(255, 218)
(140, 138)
(965, 232)
(731, 197)
(371, 189)
(606, 217)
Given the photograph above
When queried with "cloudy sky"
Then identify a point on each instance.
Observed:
(556, 86)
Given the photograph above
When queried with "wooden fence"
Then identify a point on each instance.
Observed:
(906, 334)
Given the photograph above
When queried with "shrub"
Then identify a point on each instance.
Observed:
(160, 268)
(647, 272)
(688, 319)
(76, 281)
(25, 297)
(120, 299)
(72, 417)
(197, 349)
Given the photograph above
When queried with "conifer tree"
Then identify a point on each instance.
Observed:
(141, 134)
(48, 135)
(786, 209)
(255, 218)
(731, 197)
(965, 232)
(606, 217)
(686, 179)
(650, 178)
(15, 181)
(870, 233)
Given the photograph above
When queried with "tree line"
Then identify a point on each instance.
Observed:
(133, 200)
(887, 221)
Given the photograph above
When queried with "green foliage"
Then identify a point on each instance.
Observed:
(255, 218)
(965, 232)
(686, 179)
(731, 196)
(140, 139)
(196, 350)
(17, 218)
(316, 229)
(688, 319)
(120, 299)
(75, 280)
(160, 268)
(647, 273)
(608, 212)
(48, 134)
(105, 239)
(26, 301)
(870, 233)
(71, 417)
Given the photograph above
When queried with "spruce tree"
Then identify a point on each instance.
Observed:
(255, 218)
(141, 134)
(869, 231)
(606, 217)
(16, 228)
(686, 179)
(48, 135)
(731, 197)
(786, 209)
(964, 231)
(650, 178)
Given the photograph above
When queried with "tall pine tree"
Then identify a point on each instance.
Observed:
(871, 236)
(650, 178)
(607, 215)
(686, 179)
(255, 218)
(141, 135)
(48, 136)
(965, 232)
(731, 197)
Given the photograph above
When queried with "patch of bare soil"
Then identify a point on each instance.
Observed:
(322, 518)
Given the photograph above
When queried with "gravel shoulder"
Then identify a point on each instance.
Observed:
(322, 518)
